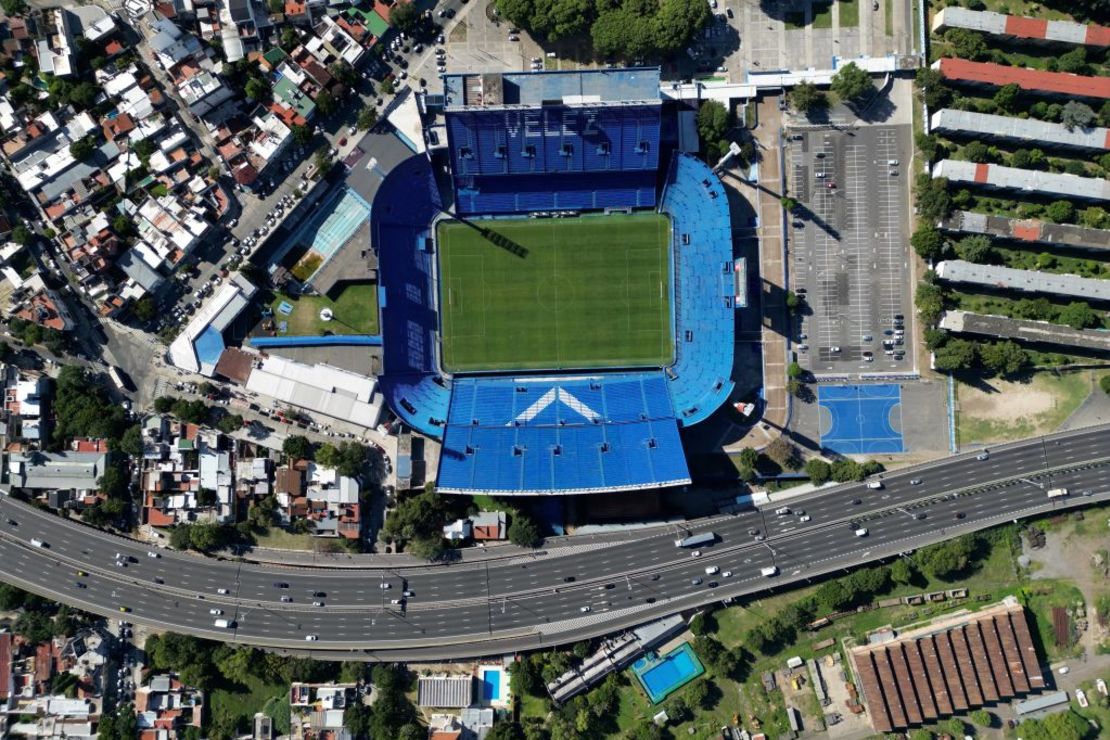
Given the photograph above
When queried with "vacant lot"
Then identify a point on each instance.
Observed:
(556, 293)
(997, 410)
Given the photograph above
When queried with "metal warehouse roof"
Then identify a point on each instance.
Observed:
(1033, 181)
(1019, 129)
(1029, 281)
(1022, 27)
(1044, 332)
(1034, 80)
(445, 691)
(1027, 230)
(535, 89)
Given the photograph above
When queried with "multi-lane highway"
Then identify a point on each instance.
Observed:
(476, 608)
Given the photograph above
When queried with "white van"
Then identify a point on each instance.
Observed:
(224, 623)
(769, 571)
(876, 484)
(712, 570)
(861, 532)
(37, 542)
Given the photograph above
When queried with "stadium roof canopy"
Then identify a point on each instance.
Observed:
(561, 435)
(637, 85)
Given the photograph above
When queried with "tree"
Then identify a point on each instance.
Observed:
(123, 226)
(297, 447)
(818, 471)
(783, 452)
(404, 16)
(83, 148)
(946, 560)
(131, 443)
(302, 134)
(206, 537)
(930, 83)
(928, 242)
(257, 89)
(749, 458)
(163, 404)
(323, 159)
(712, 121)
(847, 470)
(1072, 62)
(367, 119)
(326, 103)
(113, 483)
(21, 235)
(933, 201)
(145, 308)
(967, 44)
(13, 8)
(1066, 725)
(1078, 315)
(524, 532)
(928, 145)
(851, 83)
(1104, 383)
(975, 248)
(956, 354)
(1060, 211)
(276, 6)
(805, 97)
(929, 300)
(505, 730)
(977, 151)
(230, 423)
(235, 664)
(901, 572)
(1076, 114)
(1006, 98)
(1005, 358)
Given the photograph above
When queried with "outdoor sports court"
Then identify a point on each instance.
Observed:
(555, 294)
(861, 419)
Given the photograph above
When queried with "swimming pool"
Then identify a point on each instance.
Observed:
(661, 677)
(491, 685)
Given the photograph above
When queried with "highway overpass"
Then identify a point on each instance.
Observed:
(479, 608)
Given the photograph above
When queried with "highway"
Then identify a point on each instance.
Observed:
(477, 608)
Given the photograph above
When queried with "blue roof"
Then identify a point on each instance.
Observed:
(700, 379)
(209, 346)
(561, 435)
(637, 84)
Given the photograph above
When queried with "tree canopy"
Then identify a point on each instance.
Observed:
(852, 83)
(630, 29)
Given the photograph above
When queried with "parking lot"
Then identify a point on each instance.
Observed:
(849, 253)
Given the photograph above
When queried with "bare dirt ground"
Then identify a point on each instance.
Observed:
(995, 410)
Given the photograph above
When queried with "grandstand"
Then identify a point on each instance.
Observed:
(567, 435)
(705, 289)
(523, 142)
(481, 291)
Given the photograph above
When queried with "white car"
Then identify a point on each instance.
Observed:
(696, 554)
(583, 609)
(385, 586)
(152, 554)
(317, 603)
(222, 591)
(804, 518)
(727, 574)
(310, 638)
(216, 612)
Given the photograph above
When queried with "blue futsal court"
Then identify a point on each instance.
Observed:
(861, 419)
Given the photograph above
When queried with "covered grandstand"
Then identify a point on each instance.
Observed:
(513, 433)
(562, 434)
(523, 142)
(700, 380)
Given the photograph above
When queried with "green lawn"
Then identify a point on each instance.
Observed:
(822, 15)
(355, 310)
(555, 293)
(242, 704)
(849, 13)
(888, 13)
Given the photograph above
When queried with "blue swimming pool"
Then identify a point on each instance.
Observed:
(661, 677)
(491, 685)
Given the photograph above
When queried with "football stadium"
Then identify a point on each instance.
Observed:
(560, 309)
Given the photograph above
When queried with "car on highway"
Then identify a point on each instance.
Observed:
(915, 481)
(584, 608)
(984, 455)
(222, 591)
(82, 574)
(286, 599)
(960, 515)
(36, 542)
(79, 584)
(568, 579)
(311, 638)
(152, 554)
(317, 603)
(695, 581)
(216, 612)
(385, 586)
(125, 609)
(696, 554)
(281, 584)
(727, 574)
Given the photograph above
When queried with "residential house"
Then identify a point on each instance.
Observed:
(186, 474)
(317, 710)
(166, 707)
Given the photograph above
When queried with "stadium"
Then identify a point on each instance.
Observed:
(559, 302)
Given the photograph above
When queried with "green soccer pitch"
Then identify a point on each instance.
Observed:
(552, 294)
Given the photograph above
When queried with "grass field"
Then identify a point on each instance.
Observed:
(546, 294)
(355, 311)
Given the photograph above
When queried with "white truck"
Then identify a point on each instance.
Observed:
(861, 532)
(704, 538)
(769, 571)
(876, 484)
(225, 623)
(1057, 492)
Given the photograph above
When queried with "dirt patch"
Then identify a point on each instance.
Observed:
(458, 34)
(994, 410)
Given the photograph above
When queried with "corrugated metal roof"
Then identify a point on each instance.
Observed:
(1029, 281)
(1020, 129)
(1013, 178)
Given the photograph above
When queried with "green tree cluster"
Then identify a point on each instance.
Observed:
(629, 29)
(806, 98)
(391, 714)
(852, 83)
(417, 524)
(82, 408)
(523, 531)
(348, 458)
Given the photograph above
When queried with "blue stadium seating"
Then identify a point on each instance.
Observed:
(405, 204)
(700, 378)
(554, 158)
(561, 435)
